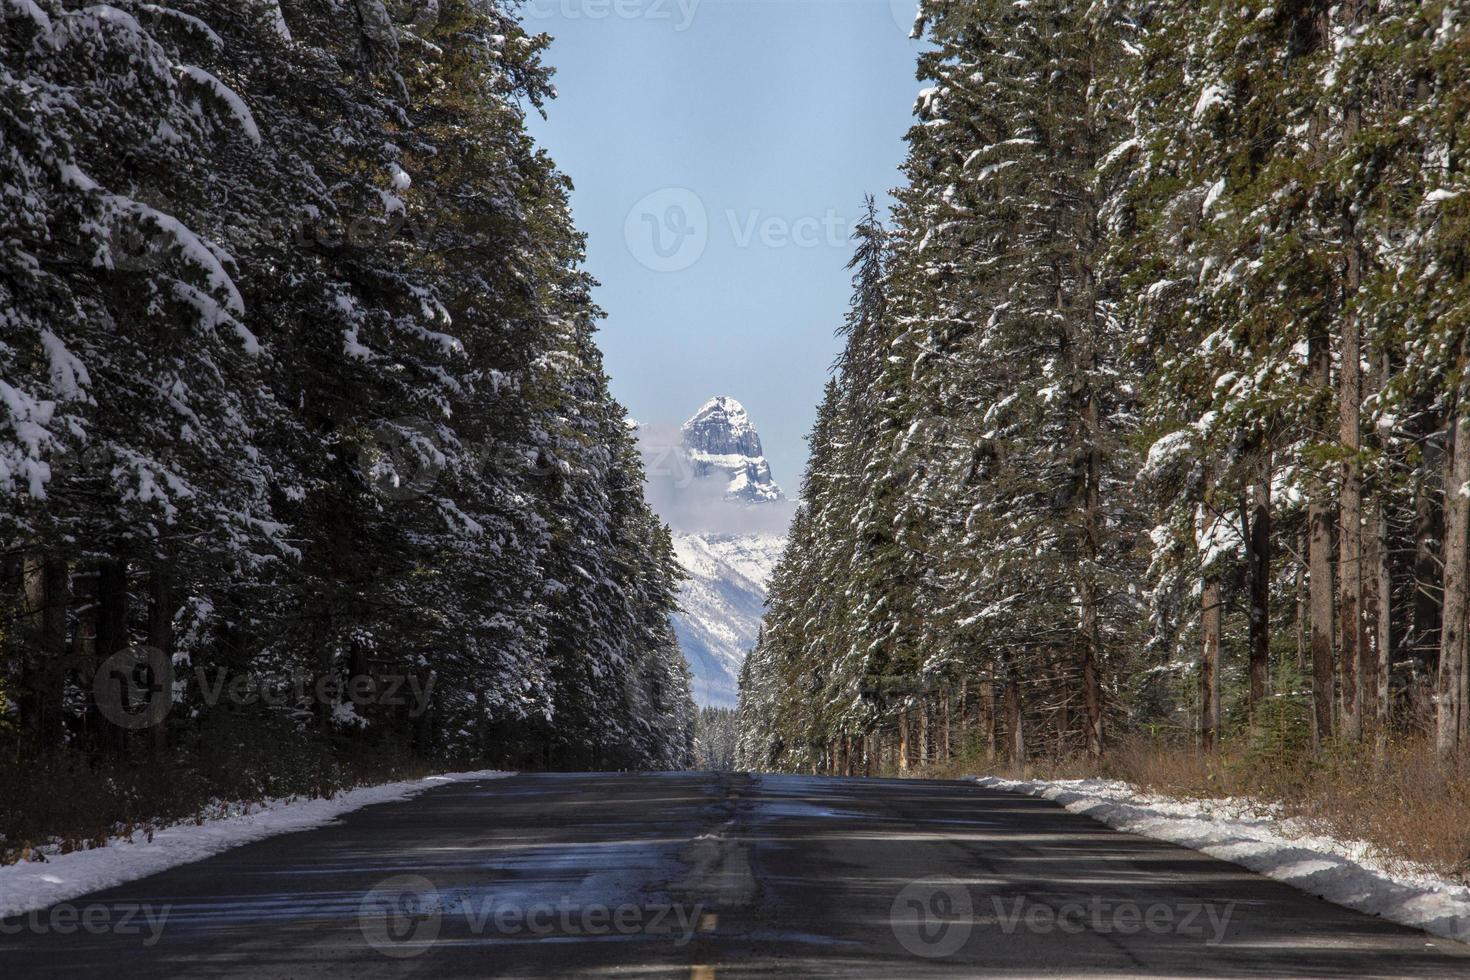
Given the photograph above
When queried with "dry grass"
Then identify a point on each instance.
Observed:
(1410, 806)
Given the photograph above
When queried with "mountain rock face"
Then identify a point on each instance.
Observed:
(711, 482)
(720, 440)
(721, 606)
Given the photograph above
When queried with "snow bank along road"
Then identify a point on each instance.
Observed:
(707, 875)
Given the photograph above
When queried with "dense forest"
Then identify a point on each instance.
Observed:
(307, 450)
(716, 734)
(1153, 417)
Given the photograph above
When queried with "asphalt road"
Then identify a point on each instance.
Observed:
(711, 875)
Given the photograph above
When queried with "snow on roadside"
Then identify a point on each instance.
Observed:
(1253, 836)
(32, 885)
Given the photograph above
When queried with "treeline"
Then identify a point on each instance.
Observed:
(1153, 417)
(716, 733)
(306, 441)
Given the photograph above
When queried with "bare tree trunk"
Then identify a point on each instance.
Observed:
(1259, 548)
(1209, 663)
(1371, 652)
(1089, 591)
(1450, 700)
(1319, 561)
(944, 733)
(112, 629)
(1428, 535)
(903, 744)
(1014, 734)
(1303, 615)
(1382, 633)
(1350, 523)
(925, 749)
(987, 705)
(1209, 628)
(47, 586)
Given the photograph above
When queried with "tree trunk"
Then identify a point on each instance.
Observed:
(1350, 523)
(1014, 734)
(1428, 534)
(1450, 700)
(1382, 633)
(925, 750)
(944, 733)
(987, 706)
(112, 631)
(903, 744)
(1089, 591)
(47, 586)
(1319, 562)
(1259, 548)
(1209, 664)
(1303, 615)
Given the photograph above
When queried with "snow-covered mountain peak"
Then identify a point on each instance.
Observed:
(720, 438)
(722, 427)
(710, 481)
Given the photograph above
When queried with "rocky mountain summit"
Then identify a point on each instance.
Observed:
(710, 480)
(720, 440)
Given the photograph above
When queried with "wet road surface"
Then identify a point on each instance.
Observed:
(704, 875)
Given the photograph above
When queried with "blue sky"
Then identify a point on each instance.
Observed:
(721, 150)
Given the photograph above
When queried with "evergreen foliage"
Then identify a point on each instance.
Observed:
(1152, 412)
(300, 387)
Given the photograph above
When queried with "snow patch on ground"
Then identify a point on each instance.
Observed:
(32, 885)
(1257, 837)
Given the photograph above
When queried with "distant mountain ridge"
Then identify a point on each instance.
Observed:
(711, 481)
(723, 602)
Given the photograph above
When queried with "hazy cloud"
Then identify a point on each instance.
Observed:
(698, 505)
